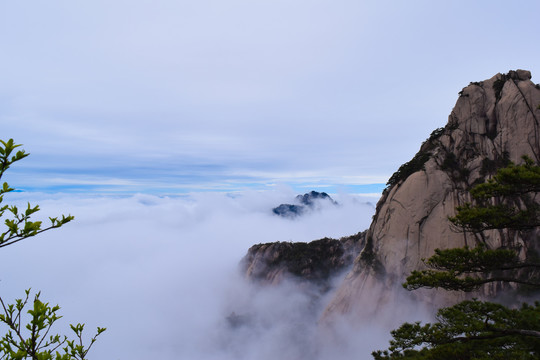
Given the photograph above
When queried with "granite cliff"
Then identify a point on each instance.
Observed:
(493, 122)
(314, 262)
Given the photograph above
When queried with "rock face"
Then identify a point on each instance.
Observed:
(314, 262)
(493, 121)
(303, 203)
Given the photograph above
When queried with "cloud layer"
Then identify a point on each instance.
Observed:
(162, 273)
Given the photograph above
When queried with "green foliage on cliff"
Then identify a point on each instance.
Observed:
(409, 168)
(498, 86)
(29, 322)
(478, 329)
(451, 165)
(418, 161)
(314, 260)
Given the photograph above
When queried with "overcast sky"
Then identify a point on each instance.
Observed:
(173, 96)
(168, 96)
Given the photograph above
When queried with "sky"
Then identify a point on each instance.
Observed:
(171, 128)
(171, 97)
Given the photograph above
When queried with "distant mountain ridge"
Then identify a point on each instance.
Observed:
(303, 204)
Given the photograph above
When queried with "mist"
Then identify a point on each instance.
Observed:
(162, 275)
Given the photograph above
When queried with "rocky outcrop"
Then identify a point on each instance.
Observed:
(314, 262)
(303, 203)
(493, 122)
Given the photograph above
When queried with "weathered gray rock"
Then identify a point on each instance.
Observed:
(493, 121)
(314, 262)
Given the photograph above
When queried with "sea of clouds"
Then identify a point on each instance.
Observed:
(162, 274)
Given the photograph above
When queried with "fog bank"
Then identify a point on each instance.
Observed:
(162, 275)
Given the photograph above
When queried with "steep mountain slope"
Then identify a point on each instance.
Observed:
(493, 121)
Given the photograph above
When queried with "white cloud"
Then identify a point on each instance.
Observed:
(162, 273)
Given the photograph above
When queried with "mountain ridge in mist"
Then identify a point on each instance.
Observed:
(303, 203)
(316, 261)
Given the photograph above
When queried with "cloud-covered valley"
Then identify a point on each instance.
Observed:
(162, 274)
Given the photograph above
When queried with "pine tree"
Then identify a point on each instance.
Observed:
(476, 329)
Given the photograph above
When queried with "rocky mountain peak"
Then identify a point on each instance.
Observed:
(303, 203)
(493, 122)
